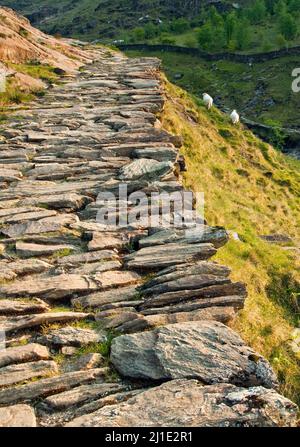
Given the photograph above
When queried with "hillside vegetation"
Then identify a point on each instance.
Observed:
(259, 25)
(252, 190)
(261, 91)
(90, 18)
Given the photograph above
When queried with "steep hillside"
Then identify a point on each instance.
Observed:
(253, 191)
(262, 92)
(31, 59)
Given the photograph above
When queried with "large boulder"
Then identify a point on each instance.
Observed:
(206, 350)
(185, 403)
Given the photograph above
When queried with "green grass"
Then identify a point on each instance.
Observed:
(13, 95)
(236, 84)
(253, 190)
(36, 70)
(100, 348)
(62, 253)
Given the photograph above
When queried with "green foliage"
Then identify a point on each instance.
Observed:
(243, 34)
(179, 25)
(138, 34)
(257, 12)
(230, 26)
(288, 26)
(277, 137)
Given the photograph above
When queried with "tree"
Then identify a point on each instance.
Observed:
(150, 30)
(270, 4)
(138, 34)
(258, 12)
(288, 26)
(294, 6)
(215, 18)
(243, 34)
(205, 36)
(211, 38)
(230, 26)
(180, 25)
(280, 8)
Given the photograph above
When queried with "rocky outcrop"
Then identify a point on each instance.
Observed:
(206, 350)
(97, 315)
(186, 403)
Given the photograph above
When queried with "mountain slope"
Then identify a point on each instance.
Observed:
(254, 191)
(31, 59)
(103, 17)
(21, 42)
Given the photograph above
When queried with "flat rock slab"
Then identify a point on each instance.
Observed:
(108, 297)
(176, 272)
(32, 216)
(217, 236)
(158, 257)
(85, 258)
(145, 168)
(31, 227)
(185, 403)
(71, 336)
(111, 399)
(85, 361)
(54, 287)
(207, 350)
(21, 354)
(145, 322)
(189, 282)
(96, 267)
(82, 395)
(19, 373)
(28, 250)
(17, 307)
(215, 294)
(11, 270)
(157, 153)
(17, 416)
(101, 241)
(45, 387)
(116, 278)
(70, 201)
(27, 321)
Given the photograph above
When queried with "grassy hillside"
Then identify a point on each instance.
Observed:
(261, 92)
(252, 190)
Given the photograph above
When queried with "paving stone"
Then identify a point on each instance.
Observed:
(71, 336)
(17, 416)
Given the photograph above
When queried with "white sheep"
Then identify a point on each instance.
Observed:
(208, 101)
(235, 117)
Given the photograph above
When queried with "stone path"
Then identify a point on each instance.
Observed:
(104, 325)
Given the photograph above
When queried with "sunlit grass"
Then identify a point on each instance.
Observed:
(253, 190)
